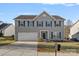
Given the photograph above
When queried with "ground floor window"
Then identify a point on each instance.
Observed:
(52, 35)
(55, 35)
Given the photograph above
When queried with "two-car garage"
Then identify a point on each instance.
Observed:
(33, 36)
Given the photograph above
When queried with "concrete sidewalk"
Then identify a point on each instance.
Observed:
(58, 54)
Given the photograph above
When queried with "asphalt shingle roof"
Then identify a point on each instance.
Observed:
(33, 16)
(4, 25)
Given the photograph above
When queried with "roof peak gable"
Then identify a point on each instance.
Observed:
(44, 12)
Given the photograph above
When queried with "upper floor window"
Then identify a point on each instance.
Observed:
(48, 23)
(30, 23)
(21, 23)
(39, 23)
(18, 23)
(57, 23)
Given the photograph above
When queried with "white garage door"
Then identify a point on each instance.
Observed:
(27, 36)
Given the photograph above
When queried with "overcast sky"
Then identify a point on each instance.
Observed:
(9, 11)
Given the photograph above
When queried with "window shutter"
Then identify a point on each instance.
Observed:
(59, 23)
(55, 23)
(33, 23)
(46, 23)
(60, 35)
(18, 23)
(51, 35)
(37, 23)
(42, 23)
(51, 23)
(28, 23)
(24, 23)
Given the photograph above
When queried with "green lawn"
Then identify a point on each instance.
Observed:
(47, 46)
(6, 40)
(65, 46)
(70, 44)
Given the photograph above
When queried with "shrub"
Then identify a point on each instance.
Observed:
(12, 35)
(40, 40)
(1, 34)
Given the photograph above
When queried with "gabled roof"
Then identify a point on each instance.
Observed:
(33, 16)
(25, 17)
(4, 26)
(57, 17)
(43, 13)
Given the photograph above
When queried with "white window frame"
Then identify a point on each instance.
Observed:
(39, 22)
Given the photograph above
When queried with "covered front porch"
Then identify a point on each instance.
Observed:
(47, 35)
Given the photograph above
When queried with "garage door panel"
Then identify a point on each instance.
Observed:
(27, 36)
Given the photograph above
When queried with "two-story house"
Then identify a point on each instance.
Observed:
(33, 27)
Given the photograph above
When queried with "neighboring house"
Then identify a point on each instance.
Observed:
(7, 29)
(33, 27)
(74, 30)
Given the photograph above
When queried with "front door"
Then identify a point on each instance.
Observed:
(44, 34)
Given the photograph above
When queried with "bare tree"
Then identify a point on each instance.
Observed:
(67, 26)
(68, 23)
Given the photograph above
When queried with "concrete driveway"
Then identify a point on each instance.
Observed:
(19, 49)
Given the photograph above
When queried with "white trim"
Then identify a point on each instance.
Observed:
(44, 12)
(44, 30)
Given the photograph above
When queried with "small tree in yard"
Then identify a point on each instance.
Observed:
(40, 40)
(13, 37)
(1, 34)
